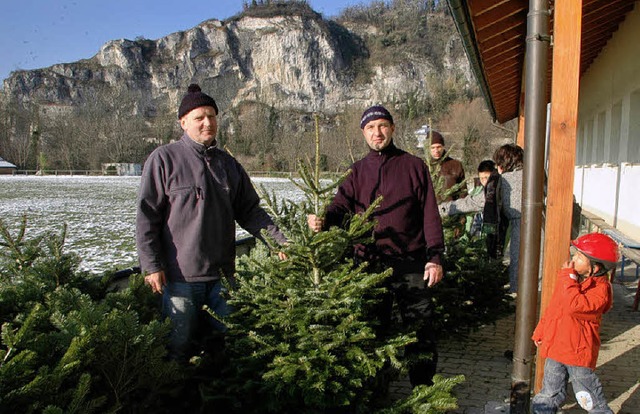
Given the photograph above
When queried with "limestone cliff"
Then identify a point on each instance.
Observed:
(292, 63)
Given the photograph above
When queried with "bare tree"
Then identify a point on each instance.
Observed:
(65, 144)
(113, 127)
(296, 144)
(470, 126)
(20, 131)
(5, 126)
(253, 134)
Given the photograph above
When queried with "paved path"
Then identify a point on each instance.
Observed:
(488, 373)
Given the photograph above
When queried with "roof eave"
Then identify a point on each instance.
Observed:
(461, 18)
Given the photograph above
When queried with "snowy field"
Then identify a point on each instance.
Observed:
(99, 213)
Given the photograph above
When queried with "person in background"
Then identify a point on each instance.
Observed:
(509, 161)
(475, 200)
(484, 200)
(191, 195)
(450, 169)
(568, 334)
(408, 235)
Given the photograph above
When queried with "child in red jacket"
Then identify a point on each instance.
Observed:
(568, 334)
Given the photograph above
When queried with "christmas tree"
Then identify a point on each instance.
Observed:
(302, 338)
(68, 344)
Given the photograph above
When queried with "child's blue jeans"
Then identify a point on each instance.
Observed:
(584, 381)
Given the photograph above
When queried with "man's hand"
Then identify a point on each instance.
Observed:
(315, 223)
(156, 281)
(432, 273)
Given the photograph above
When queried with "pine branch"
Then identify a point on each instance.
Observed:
(433, 399)
(18, 253)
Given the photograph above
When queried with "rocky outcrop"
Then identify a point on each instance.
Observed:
(292, 63)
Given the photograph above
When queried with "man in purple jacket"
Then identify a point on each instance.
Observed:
(408, 235)
(191, 195)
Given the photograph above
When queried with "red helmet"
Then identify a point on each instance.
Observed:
(599, 248)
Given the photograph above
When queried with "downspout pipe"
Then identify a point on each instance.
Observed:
(536, 61)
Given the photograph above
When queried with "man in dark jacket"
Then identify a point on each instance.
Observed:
(191, 195)
(450, 170)
(408, 235)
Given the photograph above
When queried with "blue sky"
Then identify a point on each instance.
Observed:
(39, 33)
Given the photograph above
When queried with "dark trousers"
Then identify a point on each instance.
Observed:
(409, 293)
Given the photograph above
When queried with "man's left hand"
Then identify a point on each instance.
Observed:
(432, 273)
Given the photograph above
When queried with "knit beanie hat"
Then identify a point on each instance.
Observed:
(373, 113)
(194, 99)
(437, 138)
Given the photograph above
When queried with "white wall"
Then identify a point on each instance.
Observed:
(609, 104)
(612, 193)
(599, 191)
(628, 218)
(607, 175)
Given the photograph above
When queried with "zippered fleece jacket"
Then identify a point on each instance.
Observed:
(408, 230)
(189, 200)
(570, 327)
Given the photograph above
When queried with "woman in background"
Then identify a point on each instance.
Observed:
(509, 161)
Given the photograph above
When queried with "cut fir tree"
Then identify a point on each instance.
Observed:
(302, 337)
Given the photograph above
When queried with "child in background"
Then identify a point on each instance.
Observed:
(484, 200)
(568, 334)
(475, 201)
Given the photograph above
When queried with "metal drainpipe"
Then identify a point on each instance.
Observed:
(537, 51)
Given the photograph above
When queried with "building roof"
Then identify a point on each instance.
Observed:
(6, 164)
(494, 37)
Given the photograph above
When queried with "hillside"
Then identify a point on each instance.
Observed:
(270, 69)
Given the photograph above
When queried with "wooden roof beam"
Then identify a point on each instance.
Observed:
(497, 15)
(513, 36)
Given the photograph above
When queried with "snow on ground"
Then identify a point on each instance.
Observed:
(99, 213)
